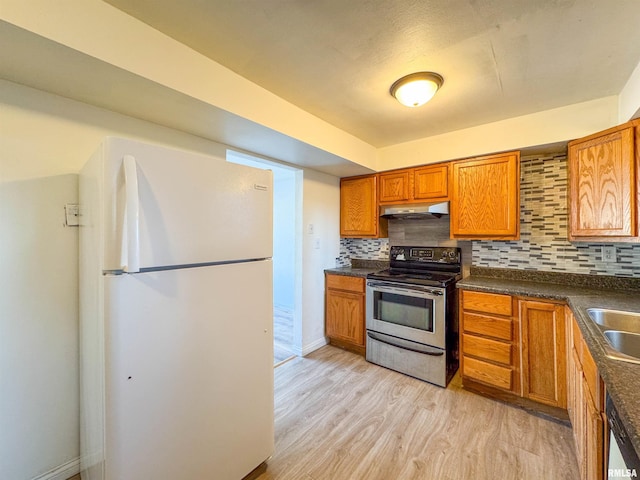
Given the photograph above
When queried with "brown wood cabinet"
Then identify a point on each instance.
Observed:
(431, 183)
(394, 186)
(604, 184)
(345, 312)
(585, 404)
(543, 352)
(514, 349)
(414, 185)
(485, 198)
(488, 340)
(359, 208)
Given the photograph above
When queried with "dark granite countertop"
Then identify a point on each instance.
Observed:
(622, 379)
(359, 268)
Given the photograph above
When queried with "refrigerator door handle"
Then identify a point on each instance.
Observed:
(130, 230)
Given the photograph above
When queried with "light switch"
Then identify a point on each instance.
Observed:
(72, 214)
(310, 229)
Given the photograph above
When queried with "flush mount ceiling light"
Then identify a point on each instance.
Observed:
(417, 88)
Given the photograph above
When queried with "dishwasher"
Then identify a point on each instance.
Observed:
(623, 459)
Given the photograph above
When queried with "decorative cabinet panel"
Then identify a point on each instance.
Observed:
(603, 185)
(359, 208)
(431, 183)
(485, 198)
(394, 187)
(345, 312)
(414, 185)
(543, 352)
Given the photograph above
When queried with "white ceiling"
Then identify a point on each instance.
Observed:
(336, 59)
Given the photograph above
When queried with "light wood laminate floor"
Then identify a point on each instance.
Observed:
(282, 334)
(339, 417)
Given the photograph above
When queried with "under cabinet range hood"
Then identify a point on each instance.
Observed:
(416, 212)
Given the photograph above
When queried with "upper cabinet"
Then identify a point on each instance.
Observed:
(485, 198)
(431, 183)
(414, 185)
(359, 208)
(394, 186)
(604, 184)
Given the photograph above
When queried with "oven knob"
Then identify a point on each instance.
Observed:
(435, 292)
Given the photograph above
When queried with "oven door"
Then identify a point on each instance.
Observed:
(411, 312)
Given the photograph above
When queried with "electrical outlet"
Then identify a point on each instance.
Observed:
(609, 254)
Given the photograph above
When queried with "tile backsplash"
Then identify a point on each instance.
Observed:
(543, 243)
(363, 249)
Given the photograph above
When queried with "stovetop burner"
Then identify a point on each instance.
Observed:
(429, 279)
(431, 266)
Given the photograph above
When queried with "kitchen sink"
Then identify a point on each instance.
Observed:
(621, 332)
(616, 319)
(624, 342)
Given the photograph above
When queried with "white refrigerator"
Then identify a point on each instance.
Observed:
(176, 315)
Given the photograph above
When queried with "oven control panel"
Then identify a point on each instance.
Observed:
(425, 254)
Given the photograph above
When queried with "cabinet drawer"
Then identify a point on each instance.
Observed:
(343, 282)
(495, 375)
(486, 348)
(487, 302)
(501, 328)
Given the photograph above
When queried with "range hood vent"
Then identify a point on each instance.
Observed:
(416, 212)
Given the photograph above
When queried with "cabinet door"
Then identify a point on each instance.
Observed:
(485, 198)
(602, 192)
(358, 207)
(394, 187)
(543, 352)
(571, 366)
(578, 422)
(345, 316)
(593, 438)
(431, 182)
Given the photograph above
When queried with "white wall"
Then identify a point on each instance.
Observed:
(321, 207)
(542, 128)
(39, 391)
(100, 31)
(629, 98)
(42, 137)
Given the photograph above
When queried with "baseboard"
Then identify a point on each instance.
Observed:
(63, 472)
(307, 349)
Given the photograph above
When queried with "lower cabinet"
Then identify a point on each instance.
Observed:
(543, 352)
(489, 341)
(585, 404)
(345, 312)
(532, 353)
(516, 347)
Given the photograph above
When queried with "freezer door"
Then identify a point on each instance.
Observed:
(165, 207)
(189, 373)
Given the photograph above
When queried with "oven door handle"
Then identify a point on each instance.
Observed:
(426, 350)
(394, 287)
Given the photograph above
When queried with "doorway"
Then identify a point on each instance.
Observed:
(287, 213)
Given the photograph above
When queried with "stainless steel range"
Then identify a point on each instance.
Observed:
(412, 316)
